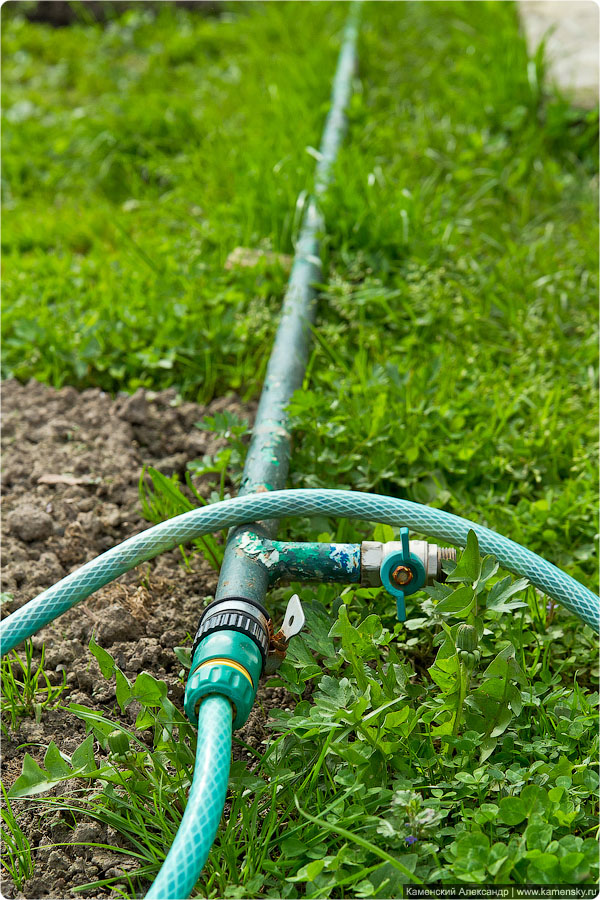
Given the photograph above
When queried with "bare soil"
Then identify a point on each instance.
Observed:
(72, 463)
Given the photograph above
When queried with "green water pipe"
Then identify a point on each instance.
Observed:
(243, 575)
(267, 461)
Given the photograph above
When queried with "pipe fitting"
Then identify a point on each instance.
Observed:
(374, 552)
(236, 614)
(229, 655)
(228, 663)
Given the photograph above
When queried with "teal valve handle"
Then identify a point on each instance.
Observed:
(400, 607)
(402, 573)
(399, 594)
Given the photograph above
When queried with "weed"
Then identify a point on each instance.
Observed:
(26, 689)
(16, 858)
(163, 498)
(139, 793)
(228, 463)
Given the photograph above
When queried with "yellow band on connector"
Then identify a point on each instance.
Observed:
(227, 662)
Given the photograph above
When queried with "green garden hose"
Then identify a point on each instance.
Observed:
(276, 505)
(189, 851)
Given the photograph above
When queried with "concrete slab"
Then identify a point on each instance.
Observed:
(572, 32)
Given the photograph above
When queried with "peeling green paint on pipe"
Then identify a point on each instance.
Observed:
(299, 561)
(241, 574)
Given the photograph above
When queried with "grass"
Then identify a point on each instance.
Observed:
(124, 200)
(454, 364)
(462, 278)
(16, 858)
(26, 688)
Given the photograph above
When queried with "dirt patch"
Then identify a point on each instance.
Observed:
(61, 12)
(72, 462)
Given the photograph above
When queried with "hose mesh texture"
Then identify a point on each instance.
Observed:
(277, 505)
(189, 851)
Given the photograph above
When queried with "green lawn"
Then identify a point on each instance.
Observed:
(454, 363)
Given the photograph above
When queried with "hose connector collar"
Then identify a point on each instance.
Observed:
(228, 663)
(236, 614)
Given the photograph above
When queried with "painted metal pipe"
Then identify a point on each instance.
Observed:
(328, 563)
(298, 560)
(268, 456)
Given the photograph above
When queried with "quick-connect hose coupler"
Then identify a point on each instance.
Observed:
(228, 656)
